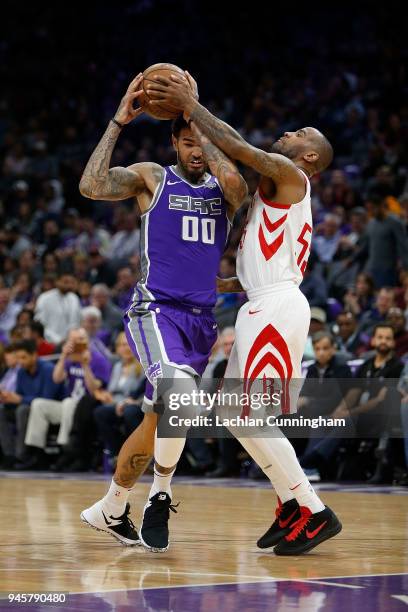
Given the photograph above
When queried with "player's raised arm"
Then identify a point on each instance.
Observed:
(177, 92)
(233, 184)
(99, 182)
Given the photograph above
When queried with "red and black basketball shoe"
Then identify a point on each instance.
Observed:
(286, 514)
(309, 531)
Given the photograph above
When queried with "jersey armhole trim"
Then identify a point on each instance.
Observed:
(157, 194)
(272, 203)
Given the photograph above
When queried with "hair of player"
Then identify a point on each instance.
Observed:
(177, 125)
(325, 151)
(28, 346)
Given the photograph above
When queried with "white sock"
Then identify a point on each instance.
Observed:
(306, 496)
(279, 483)
(115, 499)
(161, 483)
(277, 479)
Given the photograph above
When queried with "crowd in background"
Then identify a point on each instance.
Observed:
(69, 265)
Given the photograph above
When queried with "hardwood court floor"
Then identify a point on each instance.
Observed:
(45, 547)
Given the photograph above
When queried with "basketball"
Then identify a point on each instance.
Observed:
(161, 111)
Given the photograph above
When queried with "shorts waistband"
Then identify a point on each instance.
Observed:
(270, 289)
(195, 310)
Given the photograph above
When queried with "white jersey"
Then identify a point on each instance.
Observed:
(275, 244)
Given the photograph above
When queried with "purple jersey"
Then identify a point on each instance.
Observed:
(101, 369)
(183, 237)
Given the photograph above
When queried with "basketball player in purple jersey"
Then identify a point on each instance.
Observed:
(186, 214)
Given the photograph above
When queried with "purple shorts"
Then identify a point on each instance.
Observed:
(164, 337)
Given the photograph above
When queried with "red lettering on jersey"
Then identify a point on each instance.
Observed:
(305, 242)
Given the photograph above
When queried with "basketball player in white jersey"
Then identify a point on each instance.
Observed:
(272, 327)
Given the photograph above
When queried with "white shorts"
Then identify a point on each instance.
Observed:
(271, 332)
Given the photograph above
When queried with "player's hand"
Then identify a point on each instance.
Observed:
(126, 113)
(193, 84)
(176, 91)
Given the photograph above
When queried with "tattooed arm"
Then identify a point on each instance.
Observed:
(99, 182)
(177, 92)
(233, 185)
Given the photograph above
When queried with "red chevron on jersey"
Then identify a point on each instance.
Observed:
(258, 359)
(269, 249)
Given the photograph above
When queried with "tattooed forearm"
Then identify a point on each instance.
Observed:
(232, 143)
(100, 182)
(130, 470)
(234, 186)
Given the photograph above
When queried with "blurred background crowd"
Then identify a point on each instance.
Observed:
(68, 265)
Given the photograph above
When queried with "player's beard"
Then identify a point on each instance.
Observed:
(192, 177)
(283, 149)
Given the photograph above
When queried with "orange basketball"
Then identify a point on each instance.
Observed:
(160, 111)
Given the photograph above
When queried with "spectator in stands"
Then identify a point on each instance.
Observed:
(347, 338)
(93, 237)
(318, 321)
(377, 314)
(384, 244)
(367, 405)
(124, 288)
(118, 405)
(314, 286)
(78, 453)
(34, 379)
(21, 291)
(100, 269)
(326, 242)
(403, 389)
(360, 297)
(35, 331)
(125, 242)
(59, 309)
(8, 380)
(112, 317)
(25, 317)
(83, 371)
(396, 318)
(91, 320)
(8, 311)
(17, 243)
(227, 463)
(325, 385)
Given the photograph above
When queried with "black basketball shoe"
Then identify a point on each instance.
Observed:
(120, 527)
(154, 530)
(286, 515)
(309, 531)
